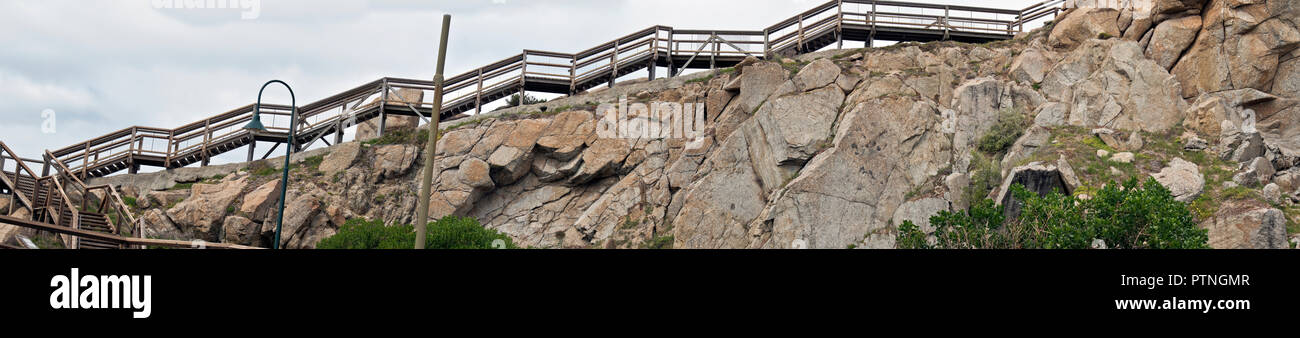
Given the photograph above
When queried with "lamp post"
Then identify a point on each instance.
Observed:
(255, 126)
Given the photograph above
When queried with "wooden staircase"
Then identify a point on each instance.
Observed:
(47, 199)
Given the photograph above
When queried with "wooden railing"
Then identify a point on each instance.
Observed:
(108, 200)
(565, 73)
(126, 242)
(20, 168)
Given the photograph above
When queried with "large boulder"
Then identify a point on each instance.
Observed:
(164, 199)
(817, 74)
(392, 161)
(475, 173)
(240, 230)
(883, 148)
(1257, 173)
(514, 158)
(1112, 84)
(206, 208)
(1208, 112)
(1247, 225)
(1083, 24)
(1183, 179)
(757, 83)
(796, 127)
(1030, 67)
(340, 157)
(603, 158)
(158, 226)
(919, 213)
(370, 129)
(299, 216)
(259, 203)
(1171, 38)
(1239, 46)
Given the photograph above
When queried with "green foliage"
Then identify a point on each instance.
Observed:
(181, 186)
(450, 232)
(513, 101)
(1010, 126)
(1125, 217)
(986, 174)
(658, 243)
(401, 136)
(313, 163)
(1105, 36)
(701, 79)
(131, 202)
(362, 234)
(262, 169)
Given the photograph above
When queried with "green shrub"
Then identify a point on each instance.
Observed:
(450, 232)
(658, 243)
(986, 174)
(400, 136)
(1127, 217)
(362, 234)
(313, 163)
(1010, 126)
(262, 168)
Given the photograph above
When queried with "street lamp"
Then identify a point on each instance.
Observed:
(255, 126)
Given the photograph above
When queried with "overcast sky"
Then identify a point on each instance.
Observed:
(104, 65)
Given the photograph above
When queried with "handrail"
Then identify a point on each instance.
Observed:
(585, 69)
(72, 210)
(110, 194)
(115, 239)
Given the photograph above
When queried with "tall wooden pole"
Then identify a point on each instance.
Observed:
(426, 183)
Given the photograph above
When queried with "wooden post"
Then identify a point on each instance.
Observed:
(478, 94)
(945, 23)
(672, 63)
(130, 153)
(85, 161)
(767, 44)
(573, 74)
(252, 146)
(613, 64)
(207, 137)
(717, 48)
(839, 25)
(871, 38)
(523, 78)
(654, 55)
(338, 130)
(383, 115)
(799, 48)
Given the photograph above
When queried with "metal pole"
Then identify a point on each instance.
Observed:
(293, 129)
(426, 182)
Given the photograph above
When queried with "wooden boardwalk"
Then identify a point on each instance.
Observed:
(828, 24)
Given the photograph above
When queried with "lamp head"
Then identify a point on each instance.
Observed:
(256, 123)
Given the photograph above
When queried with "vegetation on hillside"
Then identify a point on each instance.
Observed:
(451, 232)
(1128, 216)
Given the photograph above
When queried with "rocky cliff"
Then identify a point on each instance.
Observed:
(831, 149)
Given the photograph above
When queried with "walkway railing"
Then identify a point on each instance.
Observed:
(547, 71)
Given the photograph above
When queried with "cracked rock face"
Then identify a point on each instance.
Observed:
(838, 153)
